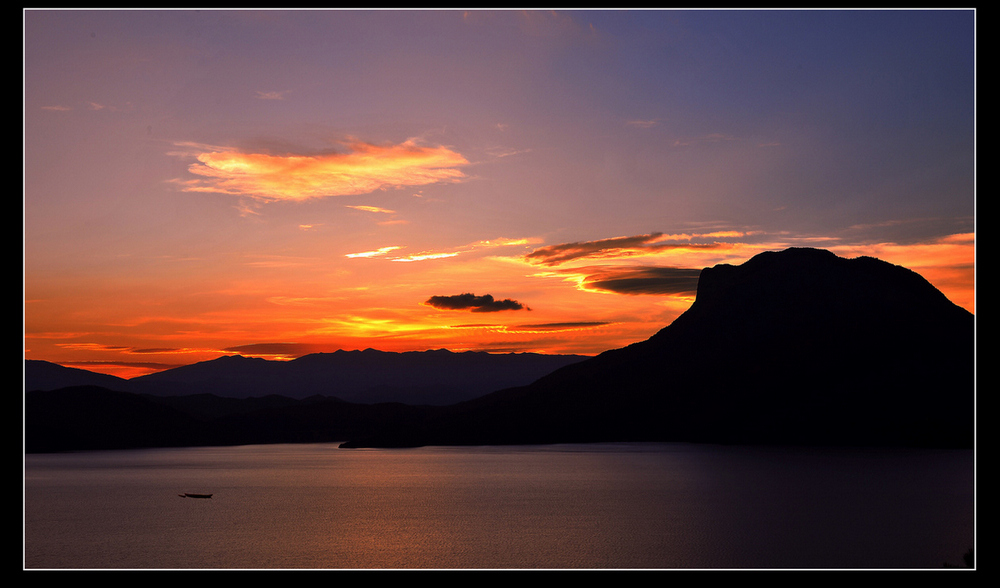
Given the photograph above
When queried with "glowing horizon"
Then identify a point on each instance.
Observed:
(198, 184)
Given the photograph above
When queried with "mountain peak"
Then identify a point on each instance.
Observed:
(795, 347)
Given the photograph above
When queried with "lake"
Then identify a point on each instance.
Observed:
(631, 506)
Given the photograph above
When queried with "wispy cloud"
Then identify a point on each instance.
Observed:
(531, 329)
(94, 106)
(620, 247)
(93, 346)
(425, 255)
(142, 366)
(468, 301)
(363, 169)
(375, 253)
(271, 95)
(372, 209)
(279, 350)
(499, 152)
(643, 124)
(709, 138)
(555, 327)
(110, 107)
(276, 261)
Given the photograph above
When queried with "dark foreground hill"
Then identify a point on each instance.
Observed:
(792, 347)
(93, 418)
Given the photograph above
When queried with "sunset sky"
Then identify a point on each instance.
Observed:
(275, 183)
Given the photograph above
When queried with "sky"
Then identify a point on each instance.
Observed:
(275, 183)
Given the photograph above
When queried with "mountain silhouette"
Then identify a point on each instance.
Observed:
(798, 347)
(791, 347)
(435, 377)
(44, 375)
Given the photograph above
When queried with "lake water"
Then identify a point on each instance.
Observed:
(635, 506)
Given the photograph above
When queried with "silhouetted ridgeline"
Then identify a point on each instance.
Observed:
(239, 400)
(43, 375)
(792, 347)
(435, 377)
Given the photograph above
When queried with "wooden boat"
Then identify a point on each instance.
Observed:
(192, 495)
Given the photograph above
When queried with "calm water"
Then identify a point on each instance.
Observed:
(586, 506)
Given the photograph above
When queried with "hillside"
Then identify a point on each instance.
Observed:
(791, 347)
(798, 347)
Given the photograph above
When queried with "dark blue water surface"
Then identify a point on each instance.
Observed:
(562, 506)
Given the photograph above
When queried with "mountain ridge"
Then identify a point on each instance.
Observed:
(798, 346)
(434, 377)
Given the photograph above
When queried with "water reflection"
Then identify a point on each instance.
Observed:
(589, 506)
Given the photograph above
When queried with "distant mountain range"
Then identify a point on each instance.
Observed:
(791, 347)
(436, 377)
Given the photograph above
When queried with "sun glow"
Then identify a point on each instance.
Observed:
(311, 179)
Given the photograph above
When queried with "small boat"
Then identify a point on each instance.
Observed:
(192, 495)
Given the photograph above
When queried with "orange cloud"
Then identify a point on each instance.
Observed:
(425, 255)
(363, 169)
(372, 209)
(376, 253)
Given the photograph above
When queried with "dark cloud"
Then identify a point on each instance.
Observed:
(156, 350)
(89, 365)
(560, 326)
(643, 280)
(474, 303)
(287, 349)
(556, 254)
(613, 247)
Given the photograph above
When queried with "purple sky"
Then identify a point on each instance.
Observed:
(197, 181)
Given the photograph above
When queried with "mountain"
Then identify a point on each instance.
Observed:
(798, 347)
(436, 377)
(44, 375)
(791, 347)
